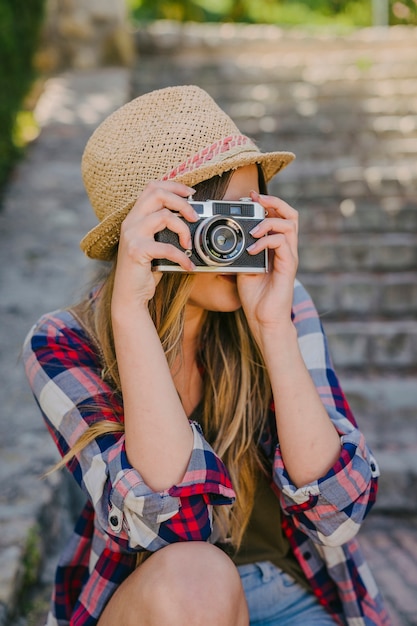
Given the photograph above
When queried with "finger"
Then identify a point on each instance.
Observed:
(275, 225)
(158, 195)
(156, 222)
(168, 251)
(275, 206)
(144, 251)
(177, 188)
(277, 242)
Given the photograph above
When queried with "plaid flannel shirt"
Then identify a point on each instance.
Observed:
(123, 515)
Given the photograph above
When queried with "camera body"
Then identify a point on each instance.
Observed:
(219, 238)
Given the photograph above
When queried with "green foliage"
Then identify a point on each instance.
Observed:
(20, 22)
(32, 557)
(181, 10)
(404, 12)
(306, 13)
(351, 13)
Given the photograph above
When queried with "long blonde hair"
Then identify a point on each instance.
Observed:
(236, 387)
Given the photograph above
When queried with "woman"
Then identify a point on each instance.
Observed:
(225, 475)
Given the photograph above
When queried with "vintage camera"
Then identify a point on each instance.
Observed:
(220, 238)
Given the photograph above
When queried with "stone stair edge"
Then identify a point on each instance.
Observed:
(372, 327)
(396, 390)
(398, 475)
(378, 238)
(396, 84)
(357, 296)
(363, 64)
(38, 527)
(362, 277)
(233, 32)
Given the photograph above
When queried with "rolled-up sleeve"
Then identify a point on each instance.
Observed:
(151, 519)
(331, 509)
(64, 373)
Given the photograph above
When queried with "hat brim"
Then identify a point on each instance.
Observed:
(99, 243)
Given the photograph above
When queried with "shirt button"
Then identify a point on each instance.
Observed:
(373, 467)
(114, 520)
(307, 556)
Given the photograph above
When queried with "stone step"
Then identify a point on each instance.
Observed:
(269, 95)
(321, 138)
(384, 150)
(383, 252)
(307, 120)
(244, 52)
(312, 115)
(398, 477)
(32, 536)
(31, 530)
(385, 408)
(168, 36)
(373, 347)
(359, 295)
(282, 79)
(319, 180)
(359, 215)
(282, 85)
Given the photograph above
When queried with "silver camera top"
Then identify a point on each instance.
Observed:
(243, 208)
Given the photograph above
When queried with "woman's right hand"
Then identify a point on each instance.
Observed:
(158, 437)
(159, 206)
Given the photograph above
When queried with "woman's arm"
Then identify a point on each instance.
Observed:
(308, 440)
(159, 440)
(64, 373)
(330, 508)
(326, 475)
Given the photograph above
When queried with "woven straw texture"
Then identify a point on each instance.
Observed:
(177, 133)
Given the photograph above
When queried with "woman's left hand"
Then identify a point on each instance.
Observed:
(267, 298)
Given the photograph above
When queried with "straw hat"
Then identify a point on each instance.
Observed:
(177, 133)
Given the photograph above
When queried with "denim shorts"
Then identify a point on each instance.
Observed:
(275, 599)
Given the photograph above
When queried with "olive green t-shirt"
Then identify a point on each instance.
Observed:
(264, 539)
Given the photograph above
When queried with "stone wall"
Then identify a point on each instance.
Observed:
(84, 34)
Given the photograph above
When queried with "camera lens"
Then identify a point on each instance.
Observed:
(219, 240)
(223, 239)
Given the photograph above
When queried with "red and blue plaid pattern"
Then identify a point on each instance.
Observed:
(124, 516)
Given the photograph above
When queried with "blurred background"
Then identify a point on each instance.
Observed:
(333, 81)
(43, 36)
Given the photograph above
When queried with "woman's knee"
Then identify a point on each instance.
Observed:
(198, 584)
(193, 583)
